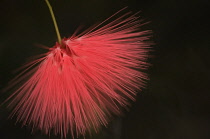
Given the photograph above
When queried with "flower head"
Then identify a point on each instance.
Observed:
(81, 82)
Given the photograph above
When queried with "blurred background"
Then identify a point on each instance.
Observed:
(175, 104)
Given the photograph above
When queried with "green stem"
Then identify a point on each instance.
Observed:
(54, 21)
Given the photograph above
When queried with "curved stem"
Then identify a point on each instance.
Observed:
(54, 21)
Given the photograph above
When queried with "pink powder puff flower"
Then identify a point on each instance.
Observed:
(80, 83)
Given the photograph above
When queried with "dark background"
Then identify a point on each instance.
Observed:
(176, 102)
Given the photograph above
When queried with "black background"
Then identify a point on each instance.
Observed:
(176, 102)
